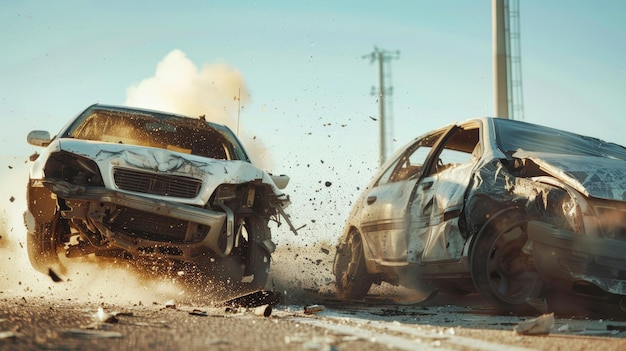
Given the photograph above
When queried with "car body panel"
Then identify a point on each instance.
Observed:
(603, 178)
(109, 156)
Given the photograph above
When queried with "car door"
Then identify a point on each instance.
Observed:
(434, 234)
(384, 208)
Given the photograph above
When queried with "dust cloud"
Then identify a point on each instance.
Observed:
(216, 91)
(82, 281)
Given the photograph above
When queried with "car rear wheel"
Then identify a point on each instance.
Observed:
(351, 278)
(42, 244)
(503, 274)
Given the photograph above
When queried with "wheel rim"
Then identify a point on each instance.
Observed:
(356, 254)
(509, 270)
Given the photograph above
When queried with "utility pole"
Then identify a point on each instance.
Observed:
(383, 57)
(507, 60)
(500, 76)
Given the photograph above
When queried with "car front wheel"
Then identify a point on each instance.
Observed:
(502, 272)
(351, 278)
(247, 267)
(42, 243)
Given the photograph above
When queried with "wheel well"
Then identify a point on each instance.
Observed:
(41, 203)
(492, 221)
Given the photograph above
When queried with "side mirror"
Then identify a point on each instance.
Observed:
(38, 138)
(281, 181)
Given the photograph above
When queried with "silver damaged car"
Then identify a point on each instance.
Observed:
(151, 187)
(505, 208)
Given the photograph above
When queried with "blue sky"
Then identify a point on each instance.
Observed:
(310, 88)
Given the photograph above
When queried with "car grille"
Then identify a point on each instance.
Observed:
(157, 184)
(149, 226)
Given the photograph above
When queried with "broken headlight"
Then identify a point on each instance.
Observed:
(572, 214)
(73, 168)
(558, 207)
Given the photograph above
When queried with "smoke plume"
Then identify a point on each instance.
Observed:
(217, 91)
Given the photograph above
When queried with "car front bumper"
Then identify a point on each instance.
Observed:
(573, 258)
(87, 200)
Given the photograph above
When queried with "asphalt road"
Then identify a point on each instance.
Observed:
(39, 323)
(100, 309)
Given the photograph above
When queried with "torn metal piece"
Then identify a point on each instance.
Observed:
(254, 299)
(313, 309)
(55, 277)
(199, 313)
(536, 326)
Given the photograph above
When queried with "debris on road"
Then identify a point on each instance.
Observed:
(253, 299)
(55, 277)
(536, 326)
(200, 313)
(313, 309)
(264, 310)
(105, 317)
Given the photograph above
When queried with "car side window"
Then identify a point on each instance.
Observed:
(461, 148)
(410, 163)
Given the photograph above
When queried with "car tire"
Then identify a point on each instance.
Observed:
(257, 258)
(352, 280)
(42, 243)
(251, 259)
(502, 273)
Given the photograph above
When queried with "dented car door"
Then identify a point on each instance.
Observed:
(433, 233)
(384, 214)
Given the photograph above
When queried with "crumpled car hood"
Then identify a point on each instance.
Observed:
(597, 177)
(213, 171)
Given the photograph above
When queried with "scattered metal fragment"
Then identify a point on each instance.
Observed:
(200, 313)
(254, 299)
(313, 309)
(170, 304)
(536, 326)
(55, 277)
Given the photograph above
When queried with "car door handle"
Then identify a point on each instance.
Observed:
(427, 185)
(371, 199)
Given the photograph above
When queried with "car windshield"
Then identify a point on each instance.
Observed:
(512, 136)
(145, 128)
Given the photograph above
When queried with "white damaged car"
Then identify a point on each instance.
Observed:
(153, 187)
(512, 210)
